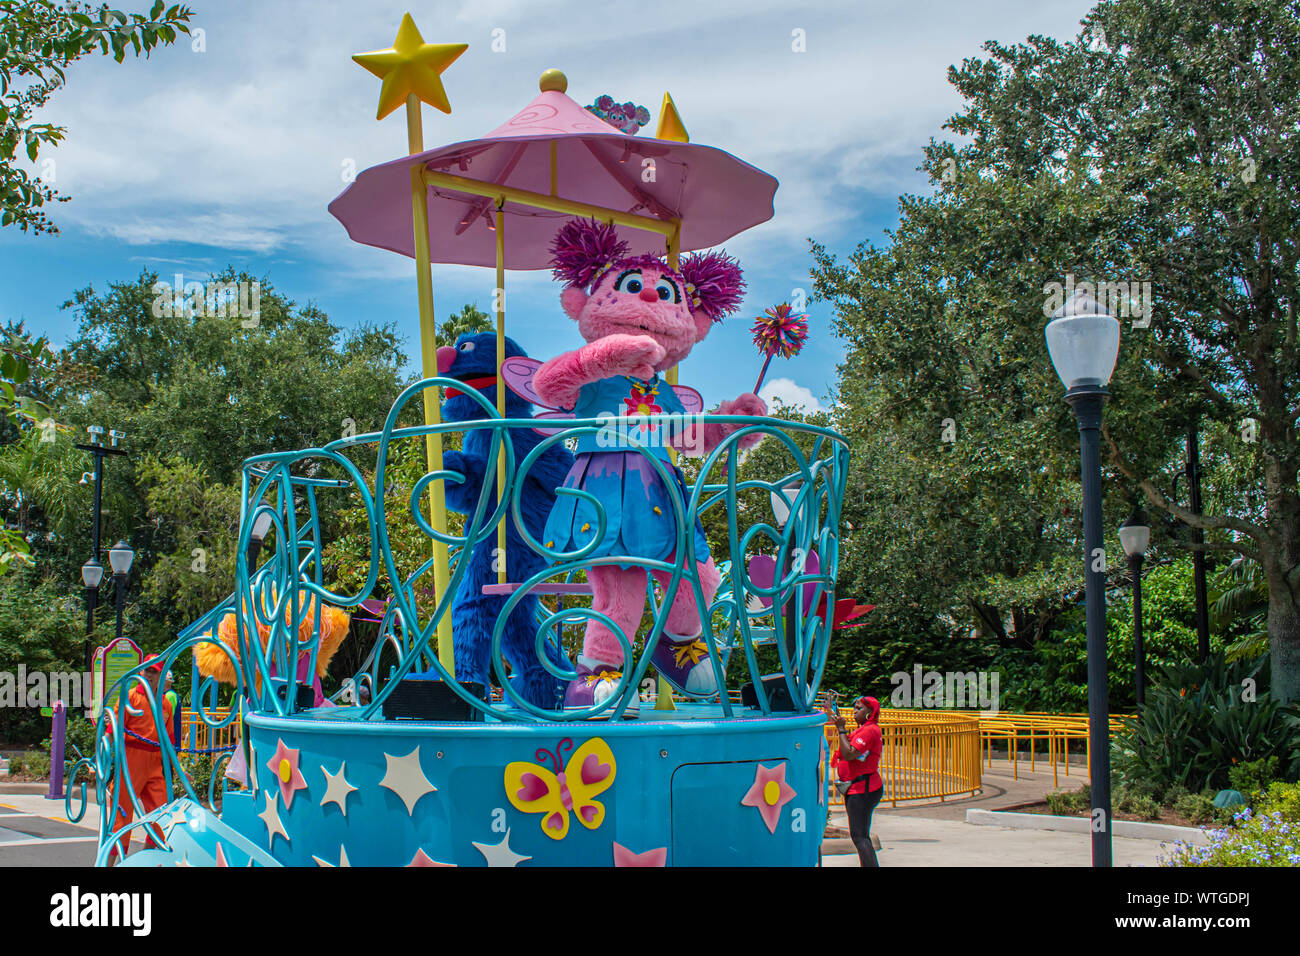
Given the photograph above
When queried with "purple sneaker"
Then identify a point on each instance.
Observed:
(596, 683)
(684, 663)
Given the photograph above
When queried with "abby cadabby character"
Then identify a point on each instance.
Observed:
(639, 318)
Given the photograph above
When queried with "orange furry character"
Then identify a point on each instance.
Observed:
(213, 662)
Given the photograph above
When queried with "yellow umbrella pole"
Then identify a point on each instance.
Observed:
(670, 128)
(665, 692)
(411, 73)
(501, 387)
(429, 360)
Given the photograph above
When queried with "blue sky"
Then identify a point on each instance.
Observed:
(198, 159)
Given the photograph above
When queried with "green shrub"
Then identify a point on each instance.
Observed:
(1254, 775)
(1197, 807)
(36, 764)
(1137, 801)
(1281, 798)
(1069, 802)
(198, 767)
(1195, 728)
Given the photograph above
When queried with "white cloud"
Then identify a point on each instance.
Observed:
(233, 154)
(788, 392)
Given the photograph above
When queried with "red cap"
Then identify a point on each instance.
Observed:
(156, 664)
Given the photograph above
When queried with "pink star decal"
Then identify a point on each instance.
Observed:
(221, 856)
(625, 857)
(284, 766)
(423, 859)
(769, 794)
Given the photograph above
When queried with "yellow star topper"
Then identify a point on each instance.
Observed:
(411, 66)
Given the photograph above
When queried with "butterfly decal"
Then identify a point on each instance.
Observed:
(518, 372)
(532, 788)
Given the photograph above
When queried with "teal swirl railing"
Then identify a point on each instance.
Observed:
(793, 615)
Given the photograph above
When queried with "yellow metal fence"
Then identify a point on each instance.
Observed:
(935, 754)
(927, 755)
(196, 735)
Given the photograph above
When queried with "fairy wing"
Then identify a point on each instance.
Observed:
(692, 401)
(589, 772)
(518, 372)
(552, 431)
(534, 789)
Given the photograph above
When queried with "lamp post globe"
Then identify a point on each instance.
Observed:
(120, 557)
(92, 572)
(1135, 536)
(1083, 342)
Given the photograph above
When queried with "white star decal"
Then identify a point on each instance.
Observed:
(500, 854)
(271, 817)
(178, 818)
(343, 858)
(405, 778)
(337, 788)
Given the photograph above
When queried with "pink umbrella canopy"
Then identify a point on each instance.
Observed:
(714, 194)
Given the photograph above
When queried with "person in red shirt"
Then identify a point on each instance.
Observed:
(144, 760)
(860, 762)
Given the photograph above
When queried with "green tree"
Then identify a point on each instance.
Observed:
(1154, 148)
(39, 39)
(197, 393)
(198, 521)
(469, 319)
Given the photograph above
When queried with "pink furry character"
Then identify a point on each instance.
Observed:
(640, 318)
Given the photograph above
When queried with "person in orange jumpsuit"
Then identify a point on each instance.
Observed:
(144, 760)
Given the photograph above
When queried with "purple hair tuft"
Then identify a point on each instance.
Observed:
(584, 248)
(719, 285)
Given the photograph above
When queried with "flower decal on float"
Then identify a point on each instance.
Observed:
(284, 765)
(769, 793)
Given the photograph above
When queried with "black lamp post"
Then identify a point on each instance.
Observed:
(1135, 535)
(92, 572)
(1083, 340)
(120, 557)
(98, 450)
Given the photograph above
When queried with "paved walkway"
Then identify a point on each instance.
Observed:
(35, 832)
(936, 834)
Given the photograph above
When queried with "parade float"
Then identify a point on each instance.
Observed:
(507, 712)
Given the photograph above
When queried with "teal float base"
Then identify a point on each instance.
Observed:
(689, 788)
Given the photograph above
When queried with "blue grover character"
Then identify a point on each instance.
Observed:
(473, 361)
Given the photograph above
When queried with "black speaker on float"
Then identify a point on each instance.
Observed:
(778, 695)
(428, 698)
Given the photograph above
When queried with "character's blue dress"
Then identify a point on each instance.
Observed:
(639, 515)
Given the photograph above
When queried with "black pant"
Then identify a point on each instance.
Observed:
(859, 807)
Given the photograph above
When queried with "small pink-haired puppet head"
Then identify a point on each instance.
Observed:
(641, 295)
